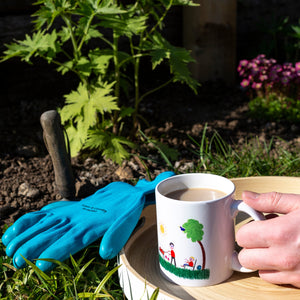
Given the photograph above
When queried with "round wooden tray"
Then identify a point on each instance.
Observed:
(139, 272)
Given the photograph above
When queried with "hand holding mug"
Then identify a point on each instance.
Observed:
(273, 246)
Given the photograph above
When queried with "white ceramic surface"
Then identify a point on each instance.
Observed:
(196, 238)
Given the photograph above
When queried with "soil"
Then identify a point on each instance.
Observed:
(26, 173)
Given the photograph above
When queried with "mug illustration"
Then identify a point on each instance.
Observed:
(188, 269)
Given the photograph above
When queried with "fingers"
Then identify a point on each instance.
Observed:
(119, 232)
(272, 246)
(17, 241)
(21, 225)
(70, 242)
(272, 202)
(256, 234)
(285, 277)
(275, 265)
(32, 243)
(274, 258)
(273, 232)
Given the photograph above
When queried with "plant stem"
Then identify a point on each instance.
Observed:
(86, 29)
(155, 89)
(74, 43)
(76, 49)
(117, 79)
(136, 63)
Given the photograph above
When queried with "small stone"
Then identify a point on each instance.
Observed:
(124, 173)
(28, 191)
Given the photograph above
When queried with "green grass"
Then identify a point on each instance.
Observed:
(275, 157)
(184, 273)
(86, 276)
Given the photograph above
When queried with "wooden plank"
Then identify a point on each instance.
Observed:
(209, 31)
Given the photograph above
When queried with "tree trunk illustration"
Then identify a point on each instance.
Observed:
(203, 255)
(194, 231)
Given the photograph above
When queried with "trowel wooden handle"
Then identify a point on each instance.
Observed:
(55, 143)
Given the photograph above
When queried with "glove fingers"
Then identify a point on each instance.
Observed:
(28, 233)
(21, 225)
(39, 241)
(70, 243)
(119, 232)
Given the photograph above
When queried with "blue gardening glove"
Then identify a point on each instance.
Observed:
(65, 227)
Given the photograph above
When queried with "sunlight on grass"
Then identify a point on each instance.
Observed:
(253, 158)
(84, 276)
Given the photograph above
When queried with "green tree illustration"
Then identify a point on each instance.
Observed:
(194, 231)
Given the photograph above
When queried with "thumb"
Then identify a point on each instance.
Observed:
(272, 202)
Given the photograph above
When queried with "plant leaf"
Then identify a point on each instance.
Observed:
(127, 25)
(100, 60)
(112, 146)
(40, 43)
(77, 137)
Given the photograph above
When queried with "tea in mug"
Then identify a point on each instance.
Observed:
(196, 194)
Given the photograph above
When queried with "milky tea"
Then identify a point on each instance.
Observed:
(196, 194)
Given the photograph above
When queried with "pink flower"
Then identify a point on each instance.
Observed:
(277, 68)
(261, 56)
(243, 63)
(286, 73)
(254, 71)
(263, 77)
(256, 85)
(245, 83)
(287, 65)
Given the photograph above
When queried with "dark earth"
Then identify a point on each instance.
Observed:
(26, 172)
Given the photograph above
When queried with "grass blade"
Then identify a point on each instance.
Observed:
(105, 279)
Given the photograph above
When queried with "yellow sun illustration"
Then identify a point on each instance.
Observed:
(162, 228)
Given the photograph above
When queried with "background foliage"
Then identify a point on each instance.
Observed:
(103, 43)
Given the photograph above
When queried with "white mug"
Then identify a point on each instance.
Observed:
(196, 239)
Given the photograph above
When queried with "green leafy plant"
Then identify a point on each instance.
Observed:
(273, 87)
(103, 43)
(274, 108)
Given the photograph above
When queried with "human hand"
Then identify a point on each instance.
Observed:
(272, 246)
(63, 228)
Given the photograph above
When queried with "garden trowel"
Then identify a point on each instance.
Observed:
(56, 145)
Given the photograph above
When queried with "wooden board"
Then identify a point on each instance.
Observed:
(139, 272)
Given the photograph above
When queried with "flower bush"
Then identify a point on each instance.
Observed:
(273, 88)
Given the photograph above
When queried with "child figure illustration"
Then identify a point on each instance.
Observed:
(189, 262)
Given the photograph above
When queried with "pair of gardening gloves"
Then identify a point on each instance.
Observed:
(62, 228)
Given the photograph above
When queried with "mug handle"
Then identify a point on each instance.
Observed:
(236, 206)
